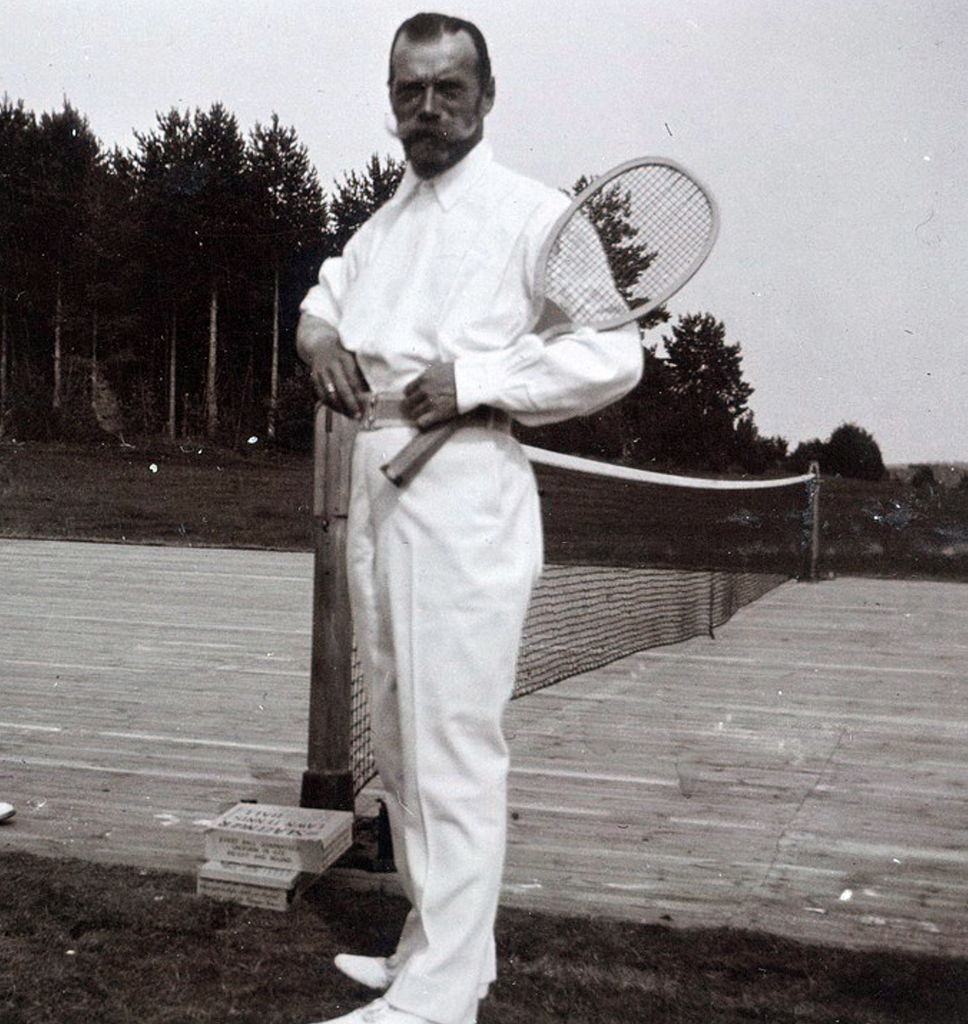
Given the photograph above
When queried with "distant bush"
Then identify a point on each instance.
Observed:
(849, 452)
(853, 452)
(924, 479)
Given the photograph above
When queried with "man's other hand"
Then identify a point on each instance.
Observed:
(334, 371)
(432, 397)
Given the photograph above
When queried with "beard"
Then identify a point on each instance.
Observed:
(432, 149)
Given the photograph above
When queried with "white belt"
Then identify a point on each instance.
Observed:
(385, 409)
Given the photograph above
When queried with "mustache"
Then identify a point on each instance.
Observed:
(416, 132)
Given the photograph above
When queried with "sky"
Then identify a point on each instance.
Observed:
(833, 133)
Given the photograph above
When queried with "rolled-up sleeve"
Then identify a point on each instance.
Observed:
(325, 299)
(573, 375)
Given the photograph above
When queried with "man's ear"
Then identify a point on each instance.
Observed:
(487, 100)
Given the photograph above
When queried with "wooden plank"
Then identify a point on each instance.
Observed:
(815, 748)
(872, 741)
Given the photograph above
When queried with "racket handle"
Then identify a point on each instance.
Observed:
(408, 462)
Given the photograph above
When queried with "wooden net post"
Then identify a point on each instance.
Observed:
(328, 779)
(811, 546)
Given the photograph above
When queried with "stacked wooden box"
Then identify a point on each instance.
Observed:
(264, 855)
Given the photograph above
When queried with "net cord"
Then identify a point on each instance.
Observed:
(581, 465)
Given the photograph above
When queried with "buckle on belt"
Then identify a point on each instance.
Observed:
(368, 417)
(382, 409)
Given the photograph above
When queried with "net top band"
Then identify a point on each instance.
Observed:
(580, 465)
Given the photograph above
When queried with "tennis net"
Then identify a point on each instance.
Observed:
(635, 560)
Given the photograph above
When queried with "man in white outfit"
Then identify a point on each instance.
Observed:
(423, 317)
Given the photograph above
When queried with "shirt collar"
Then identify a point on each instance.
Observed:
(453, 183)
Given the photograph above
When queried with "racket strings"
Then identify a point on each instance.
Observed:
(629, 245)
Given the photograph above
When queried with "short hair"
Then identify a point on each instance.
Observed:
(422, 28)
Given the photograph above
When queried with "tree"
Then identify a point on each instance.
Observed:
(290, 217)
(166, 181)
(628, 253)
(852, 452)
(359, 196)
(18, 145)
(197, 205)
(807, 452)
(61, 222)
(708, 370)
(108, 261)
(127, 305)
(707, 391)
(753, 452)
(222, 217)
(690, 411)
(161, 173)
(69, 160)
(647, 416)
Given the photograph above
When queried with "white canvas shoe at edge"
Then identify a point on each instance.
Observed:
(372, 971)
(377, 1012)
(376, 971)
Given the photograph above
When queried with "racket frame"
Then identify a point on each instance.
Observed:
(600, 184)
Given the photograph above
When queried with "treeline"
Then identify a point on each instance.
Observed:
(154, 292)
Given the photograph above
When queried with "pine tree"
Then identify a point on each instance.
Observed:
(360, 195)
(197, 207)
(290, 218)
(223, 220)
(18, 154)
(162, 174)
(708, 389)
(629, 256)
(69, 160)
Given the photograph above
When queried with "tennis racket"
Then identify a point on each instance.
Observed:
(627, 242)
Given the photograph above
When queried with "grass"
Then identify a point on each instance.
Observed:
(189, 494)
(83, 943)
(890, 529)
(194, 494)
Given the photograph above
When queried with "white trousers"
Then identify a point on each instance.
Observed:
(440, 576)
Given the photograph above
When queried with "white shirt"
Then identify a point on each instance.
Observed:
(444, 272)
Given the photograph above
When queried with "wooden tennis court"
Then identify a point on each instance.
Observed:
(804, 773)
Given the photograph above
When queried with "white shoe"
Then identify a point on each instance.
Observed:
(6, 811)
(372, 971)
(377, 1012)
(376, 971)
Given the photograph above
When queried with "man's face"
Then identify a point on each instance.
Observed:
(437, 100)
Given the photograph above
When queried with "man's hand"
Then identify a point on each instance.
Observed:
(432, 397)
(334, 371)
